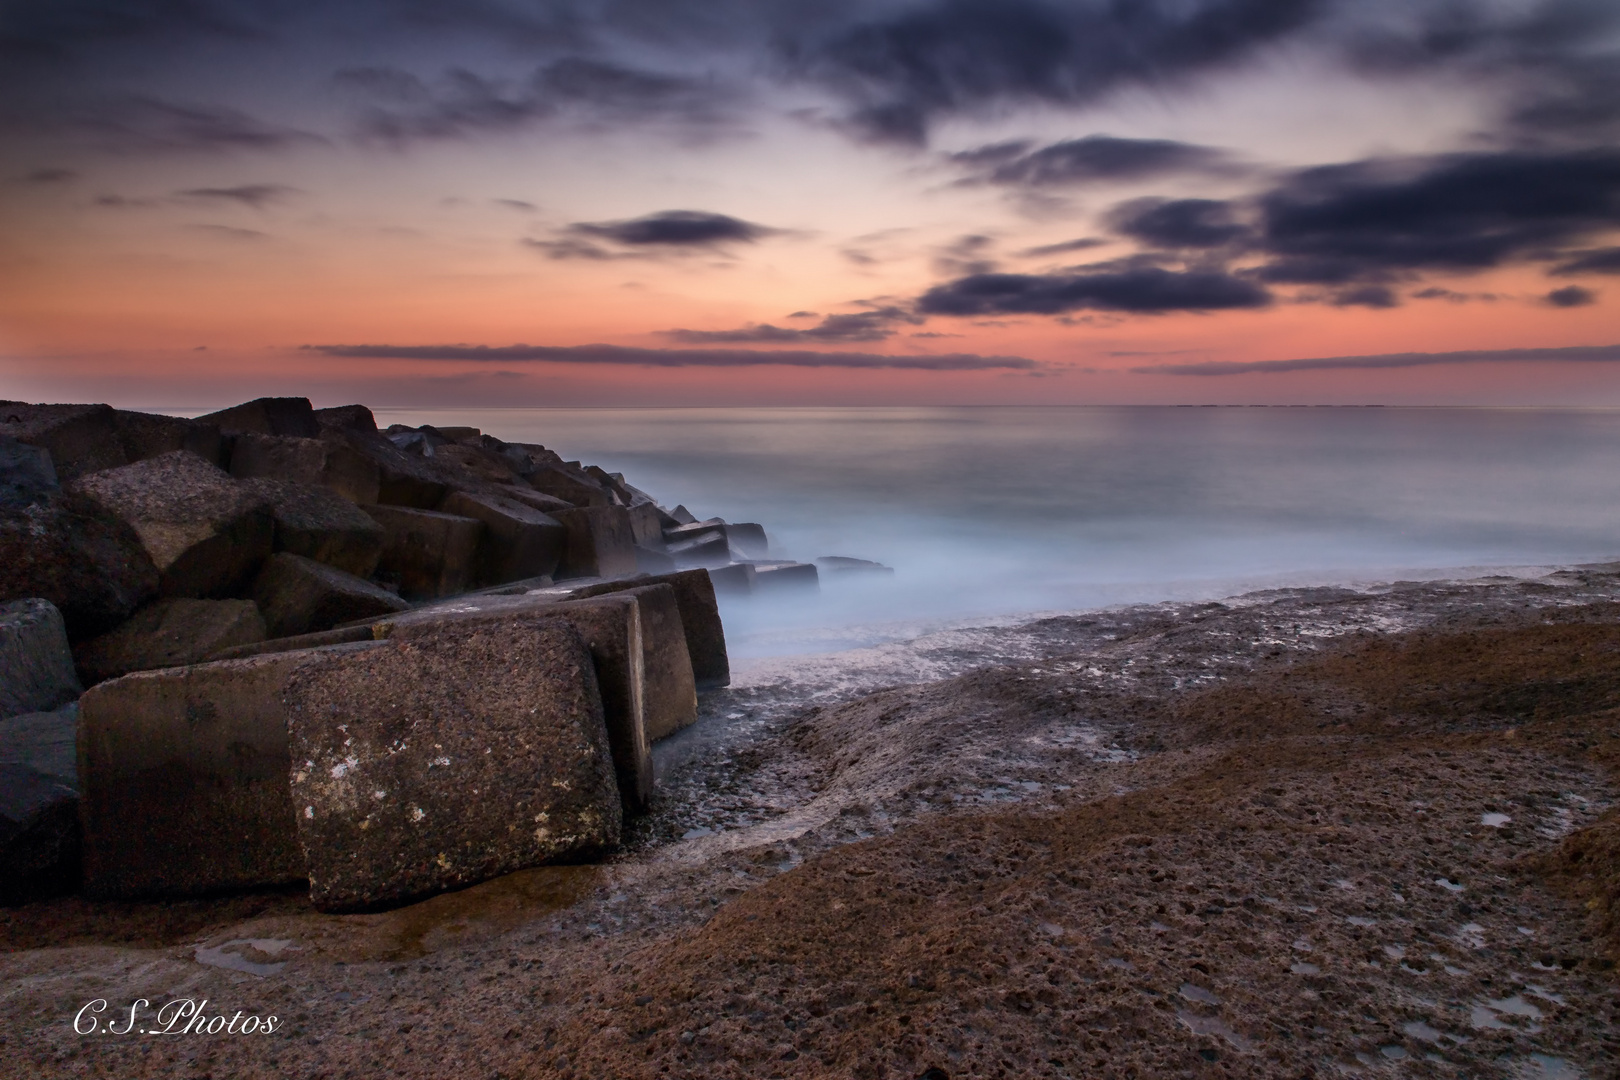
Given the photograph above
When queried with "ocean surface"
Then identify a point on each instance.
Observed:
(991, 515)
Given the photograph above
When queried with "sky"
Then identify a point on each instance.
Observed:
(672, 202)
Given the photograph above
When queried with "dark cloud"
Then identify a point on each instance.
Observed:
(725, 358)
(1145, 290)
(1571, 296)
(1062, 248)
(905, 69)
(1179, 223)
(1093, 159)
(1595, 261)
(44, 177)
(257, 196)
(967, 254)
(230, 232)
(522, 206)
(1370, 220)
(1600, 354)
(1436, 292)
(1371, 296)
(675, 229)
(140, 124)
(872, 325)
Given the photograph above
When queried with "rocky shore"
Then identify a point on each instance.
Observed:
(1301, 833)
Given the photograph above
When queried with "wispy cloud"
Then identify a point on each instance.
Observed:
(257, 196)
(1598, 354)
(673, 358)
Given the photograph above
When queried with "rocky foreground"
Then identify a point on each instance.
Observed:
(1306, 833)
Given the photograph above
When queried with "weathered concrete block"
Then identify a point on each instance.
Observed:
(27, 475)
(81, 438)
(149, 435)
(671, 690)
(650, 561)
(329, 463)
(320, 524)
(700, 620)
(45, 742)
(571, 488)
(611, 627)
(300, 596)
(72, 551)
(454, 753)
(204, 532)
(183, 776)
(747, 539)
(843, 564)
(800, 577)
(268, 416)
(682, 516)
(342, 635)
(477, 461)
(738, 579)
(428, 553)
(36, 666)
(599, 543)
(647, 524)
(170, 633)
(350, 417)
(707, 549)
(546, 504)
(518, 542)
(402, 479)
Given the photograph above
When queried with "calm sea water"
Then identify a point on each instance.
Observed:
(996, 513)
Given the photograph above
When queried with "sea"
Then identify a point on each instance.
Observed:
(993, 516)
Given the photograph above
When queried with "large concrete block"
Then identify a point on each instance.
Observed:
(301, 596)
(546, 504)
(402, 479)
(567, 486)
(454, 753)
(45, 742)
(600, 542)
(670, 701)
(268, 416)
(183, 776)
(700, 620)
(329, 463)
(707, 549)
(647, 524)
(36, 666)
(170, 633)
(81, 438)
(787, 577)
(72, 551)
(611, 628)
(486, 466)
(39, 816)
(738, 579)
(27, 475)
(320, 524)
(204, 532)
(351, 417)
(652, 561)
(149, 435)
(519, 541)
(427, 553)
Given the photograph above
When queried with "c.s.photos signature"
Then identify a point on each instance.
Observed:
(182, 1016)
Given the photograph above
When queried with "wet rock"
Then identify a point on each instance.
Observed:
(700, 620)
(599, 543)
(39, 835)
(71, 551)
(36, 666)
(27, 475)
(268, 416)
(204, 532)
(572, 489)
(300, 596)
(428, 553)
(738, 579)
(671, 690)
(518, 542)
(415, 770)
(184, 779)
(80, 438)
(330, 463)
(170, 633)
(347, 417)
(320, 524)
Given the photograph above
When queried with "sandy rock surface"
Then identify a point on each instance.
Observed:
(1303, 833)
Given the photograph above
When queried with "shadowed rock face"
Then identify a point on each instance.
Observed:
(455, 753)
(700, 620)
(428, 554)
(518, 541)
(170, 633)
(83, 439)
(268, 416)
(36, 669)
(301, 596)
(600, 542)
(73, 552)
(319, 524)
(203, 531)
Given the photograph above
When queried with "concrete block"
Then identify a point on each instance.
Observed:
(81, 438)
(451, 754)
(402, 479)
(647, 524)
(790, 577)
(170, 633)
(268, 416)
(329, 463)
(843, 564)
(737, 579)
(27, 475)
(546, 504)
(149, 435)
(183, 776)
(45, 742)
(320, 524)
(708, 549)
(599, 543)
(204, 532)
(72, 551)
(300, 596)
(36, 665)
(39, 835)
(670, 701)
(700, 619)
(428, 553)
(518, 542)
(652, 561)
(349, 417)
(567, 486)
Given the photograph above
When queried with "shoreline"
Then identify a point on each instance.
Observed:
(887, 803)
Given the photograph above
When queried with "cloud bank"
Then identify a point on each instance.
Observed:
(675, 358)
